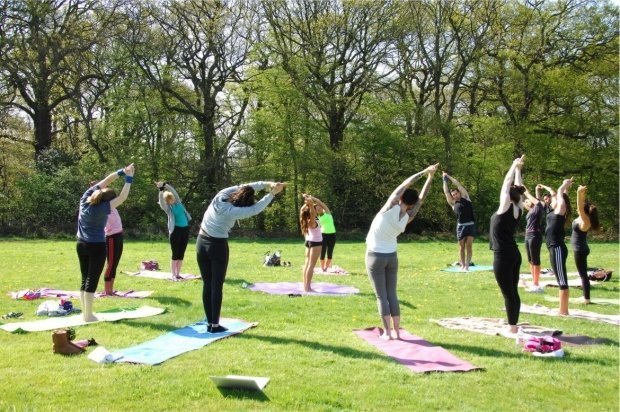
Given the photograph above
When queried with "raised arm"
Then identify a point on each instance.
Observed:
(110, 178)
(537, 192)
(446, 190)
(460, 187)
(320, 203)
(129, 172)
(416, 208)
(560, 204)
(548, 189)
(585, 223)
(509, 179)
(531, 198)
(397, 193)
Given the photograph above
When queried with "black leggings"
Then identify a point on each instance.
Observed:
(92, 259)
(581, 261)
(114, 246)
(506, 266)
(329, 241)
(532, 247)
(557, 256)
(178, 242)
(212, 256)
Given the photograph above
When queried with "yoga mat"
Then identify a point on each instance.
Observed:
(573, 313)
(76, 320)
(57, 293)
(334, 270)
(548, 275)
(157, 274)
(297, 288)
(457, 269)
(492, 326)
(415, 353)
(597, 301)
(575, 283)
(177, 342)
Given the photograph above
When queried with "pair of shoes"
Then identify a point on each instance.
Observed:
(216, 329)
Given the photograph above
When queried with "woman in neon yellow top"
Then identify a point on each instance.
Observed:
(329, 236)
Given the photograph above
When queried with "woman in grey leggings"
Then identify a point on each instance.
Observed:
(381, 259)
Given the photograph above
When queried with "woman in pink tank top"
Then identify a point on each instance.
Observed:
(311, 230)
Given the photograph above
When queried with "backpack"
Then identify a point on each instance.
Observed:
(272, 259)
(149, 265)
(600, 275)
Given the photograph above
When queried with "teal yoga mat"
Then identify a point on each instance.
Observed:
(177, 342)
(457, 269)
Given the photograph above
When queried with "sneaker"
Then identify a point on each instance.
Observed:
(536, 289)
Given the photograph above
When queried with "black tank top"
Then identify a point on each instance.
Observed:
(533, 221)
(464, 211)
(502, 230)
(578, 239)
(555, 229)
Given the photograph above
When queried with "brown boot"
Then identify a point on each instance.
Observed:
(63, 345)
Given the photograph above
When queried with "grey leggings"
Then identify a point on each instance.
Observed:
(382, 269)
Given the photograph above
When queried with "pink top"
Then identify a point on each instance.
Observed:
(114, 224)
(314, 234)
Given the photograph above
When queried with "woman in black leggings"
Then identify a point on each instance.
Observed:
(228, 206)
(95, 206)
(588, 219)
(506, 255)
(556, 220)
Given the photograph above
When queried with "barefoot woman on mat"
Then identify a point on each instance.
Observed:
(228, 206)
(506, 255)
(381, 244)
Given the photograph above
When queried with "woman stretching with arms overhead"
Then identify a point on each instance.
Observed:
(556, 220)
(381, 244)
(459, 200)
(588, 219)
(506, 255)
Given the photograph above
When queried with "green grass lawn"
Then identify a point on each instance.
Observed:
(305, 345)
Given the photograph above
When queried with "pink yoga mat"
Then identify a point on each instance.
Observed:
(415, 353)
(56, 293)
(296, 289)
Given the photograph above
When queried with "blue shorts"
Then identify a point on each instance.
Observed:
(462, 231)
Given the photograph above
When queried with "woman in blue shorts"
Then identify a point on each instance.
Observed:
(459, 200)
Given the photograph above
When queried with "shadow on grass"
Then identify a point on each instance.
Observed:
(172, 301)
(244, 394)
(343, 351)
(494, 353)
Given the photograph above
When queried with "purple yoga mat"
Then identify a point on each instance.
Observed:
(415, 353)
(296, 288)
(56, 293)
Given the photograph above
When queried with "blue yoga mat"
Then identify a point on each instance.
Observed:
(457, 269)
(179, 341)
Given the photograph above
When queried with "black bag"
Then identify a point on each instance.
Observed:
(272, 259)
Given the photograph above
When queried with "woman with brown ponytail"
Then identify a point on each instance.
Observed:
(95, 206)
(588, 219)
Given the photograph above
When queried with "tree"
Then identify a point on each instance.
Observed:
(332, 51)
(194, 53)
(47, 46)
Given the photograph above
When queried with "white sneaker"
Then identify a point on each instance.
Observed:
(555, 354)
(536, 289)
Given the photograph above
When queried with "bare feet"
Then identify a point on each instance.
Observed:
(395, 334)
(385, 336)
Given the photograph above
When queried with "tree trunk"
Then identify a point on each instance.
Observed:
(42, 130)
